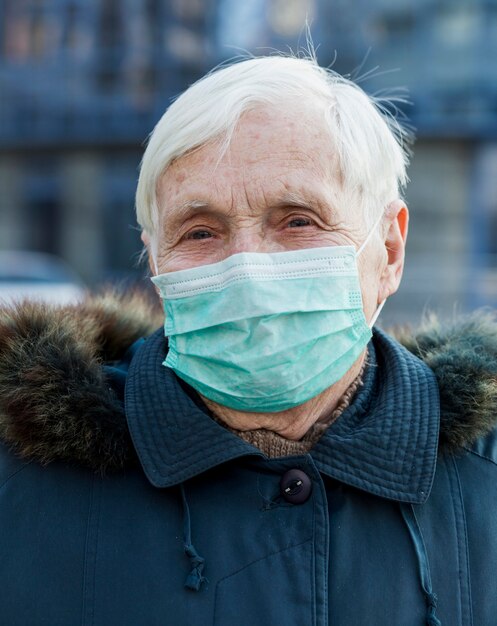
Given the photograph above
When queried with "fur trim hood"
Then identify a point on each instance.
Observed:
(56, 402)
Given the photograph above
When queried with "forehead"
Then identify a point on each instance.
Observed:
(270, 149)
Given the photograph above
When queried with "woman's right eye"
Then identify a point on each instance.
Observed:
(299, 222)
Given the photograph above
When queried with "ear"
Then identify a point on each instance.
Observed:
(397, 218)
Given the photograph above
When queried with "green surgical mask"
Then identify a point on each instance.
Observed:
(265, 332)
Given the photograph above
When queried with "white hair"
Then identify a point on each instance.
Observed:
(369, 141)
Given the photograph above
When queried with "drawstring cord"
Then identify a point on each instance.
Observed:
(412, 524)
(195, 578)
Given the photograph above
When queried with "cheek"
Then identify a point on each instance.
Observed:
(172, 259)
(370, 271)
(309, 237)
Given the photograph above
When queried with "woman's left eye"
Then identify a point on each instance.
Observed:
(298, 222)
(199, 234)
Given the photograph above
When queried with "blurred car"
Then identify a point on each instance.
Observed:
(37, 276)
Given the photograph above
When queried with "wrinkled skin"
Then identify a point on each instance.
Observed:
(276, 188)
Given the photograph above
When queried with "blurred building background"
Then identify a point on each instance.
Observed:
(83, 82)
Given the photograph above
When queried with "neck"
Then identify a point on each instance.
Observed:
(293, 423)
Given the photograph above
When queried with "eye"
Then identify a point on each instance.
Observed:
(199, 234)
(299, 222)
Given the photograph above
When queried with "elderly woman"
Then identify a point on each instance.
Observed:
(266, 457)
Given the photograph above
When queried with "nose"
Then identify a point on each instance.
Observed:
(247, 239)
(252, 238)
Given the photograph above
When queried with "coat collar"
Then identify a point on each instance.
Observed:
(174, 438)
(385, 442)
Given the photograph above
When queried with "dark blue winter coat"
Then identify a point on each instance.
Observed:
(158, 516)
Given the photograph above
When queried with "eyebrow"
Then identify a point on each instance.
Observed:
(188, 208)
(304, 201)
(178, 213)
(190, 205)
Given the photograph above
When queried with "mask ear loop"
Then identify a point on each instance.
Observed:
(153, 254)
(376, 314)
(370, 234)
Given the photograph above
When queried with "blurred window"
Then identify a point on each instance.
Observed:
(395, 4)
(483, 215)
(189, 9)
(398, 25)
(41, 204)
(39, 29)
(185, 38)
(491, 22)
(185, 44)
(492, 237)
(77, 32)
(111, 24)
(15, 22)
(44, 218)
(240, 26)
(119, 186)
(287, 18)
(458, 25)
(110, 42)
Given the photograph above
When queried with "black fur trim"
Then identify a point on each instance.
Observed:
(463, 356)
(55, 400)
